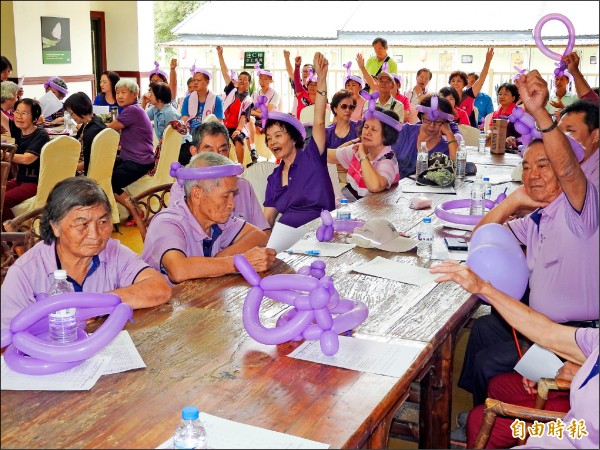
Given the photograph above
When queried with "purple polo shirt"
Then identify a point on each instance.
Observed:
(246, 205)
(33, 273)
(175, 228)
(562, 256)
(136, 138)
(583, 399)
(333, 141)
(590, 168)
(309, 189)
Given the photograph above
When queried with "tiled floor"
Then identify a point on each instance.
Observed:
(461, 400)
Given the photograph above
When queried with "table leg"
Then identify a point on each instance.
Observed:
(436, 400)
(379, 437)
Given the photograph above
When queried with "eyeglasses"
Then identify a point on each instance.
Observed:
(21, 113)
(346, 106)
(437, 123)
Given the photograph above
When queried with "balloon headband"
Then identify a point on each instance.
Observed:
(371, 112)
(157, 71)
(51, 83)
(349, 75)
(433, 113)
(260, 71)
(397, 77)
(194, 70)
(525, 126)
(537, 36)
(233, 75)
(265, 114)
(312, 77)
(203, 173)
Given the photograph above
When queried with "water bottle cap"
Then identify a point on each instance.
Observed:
(60, 274)
(427, 220)
(486, 178)
(190, 413)
(344, 201)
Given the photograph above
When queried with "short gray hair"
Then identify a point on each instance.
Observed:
(130, 85)
(68, 194)
(8, 90)
(205, 159)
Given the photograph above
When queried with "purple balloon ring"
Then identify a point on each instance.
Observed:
(537, 36)
(443, 211)
(203, 173)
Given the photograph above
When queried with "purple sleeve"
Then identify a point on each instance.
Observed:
(129, 265)
(585, 223)
(587, 340)
(128, 116)
(17, 294)
(163, 234)
(519, 228)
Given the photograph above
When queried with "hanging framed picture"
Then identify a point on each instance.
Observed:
(56, 40)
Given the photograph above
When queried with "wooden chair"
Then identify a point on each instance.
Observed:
(12, 246)
(10, 149)
(169, 153)
(58, 161)
(21, 234)
(494, 408)
(149, 202)
(5, 172)
(469, 134)
(102, 161)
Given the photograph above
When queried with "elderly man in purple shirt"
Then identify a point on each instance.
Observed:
(75, 229)
(561, 237)
(197, 235)
(212, 136)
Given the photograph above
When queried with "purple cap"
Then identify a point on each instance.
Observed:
(265, 114)
(260, 71)
(51, 83)
(194, 70)
(371, 112)
(157, 71)
(349, 75)
(202, 173)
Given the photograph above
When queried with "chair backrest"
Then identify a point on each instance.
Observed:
(5, 172)
(13, 245)
(58, 161)
(476, 111)
(470, 134)
(149, 202)
(486, 123)
(307, 115)
(102, 161)
(257, 175)
(169, 153)
(335, 181)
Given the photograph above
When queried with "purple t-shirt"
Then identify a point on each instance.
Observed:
(309, 189)
(333, 141)
(136, 137)
(562, 256)
(33, 272)
(583, 399)
(590, 168)
(175, 228)
(246, 205)
(405, 148)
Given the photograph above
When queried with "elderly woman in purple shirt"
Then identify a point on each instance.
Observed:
(136, 157)
(300, 188)
(75, 230)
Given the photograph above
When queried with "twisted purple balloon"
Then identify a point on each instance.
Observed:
(194, 70)
(51, 83)
(261, 103)
(265, 114)
(349, 75)
(202, 173)
(537, 36)
(312, 77)
(233, 75)
(347, 67)
(329, 226)
(370, 112)
(519, 73)
(433, 113)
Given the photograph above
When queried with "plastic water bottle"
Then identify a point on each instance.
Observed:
(344, 212)
(67, 122)
(461, 160)
(425, 236)
(422, 159)
(477, 197)
(63, 323)
(189, 433)
(488, 188)
(481, 142)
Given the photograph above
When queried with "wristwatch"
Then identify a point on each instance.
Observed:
(550, 128)
(323, 93)
(360, 160)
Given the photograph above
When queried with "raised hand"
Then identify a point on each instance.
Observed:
(533, 91)
(286, 54)
(173, 63)
(320, 64)
(219, 50)
(360, 60)
(298, 60)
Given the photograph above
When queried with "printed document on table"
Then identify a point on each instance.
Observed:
(538, 362)
(98, 109)
(49, 103)
(414, 188)
(332, 249)
(80, 378)
(123, 355)
(383, 358)
(223, 433)
(283, 237)
(392, 270)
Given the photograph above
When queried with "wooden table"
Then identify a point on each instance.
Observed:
(198, 352)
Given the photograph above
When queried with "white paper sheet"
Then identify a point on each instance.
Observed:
(383, 358)
(392, 270)
(284, 236)
(123, 355)
(429, 189)
(456, 226)
(79, 378)
(21, 81)
(101, 109)
(307, 246)
(440, 252)
(49, 103)
(223, 433)
(538, 362)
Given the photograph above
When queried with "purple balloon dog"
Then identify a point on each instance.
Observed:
(312, 314)
(329, 226)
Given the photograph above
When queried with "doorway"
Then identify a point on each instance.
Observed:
(98, 38)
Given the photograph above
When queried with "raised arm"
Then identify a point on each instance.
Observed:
(483, 75)
(288, 64)
(224, 69)
(533, 90)
(366, 75)
(298, 88)
(318, 133)
(581, 85)
(535, 326)
(173, 79)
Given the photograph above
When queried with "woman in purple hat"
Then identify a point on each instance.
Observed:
(58, 87)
